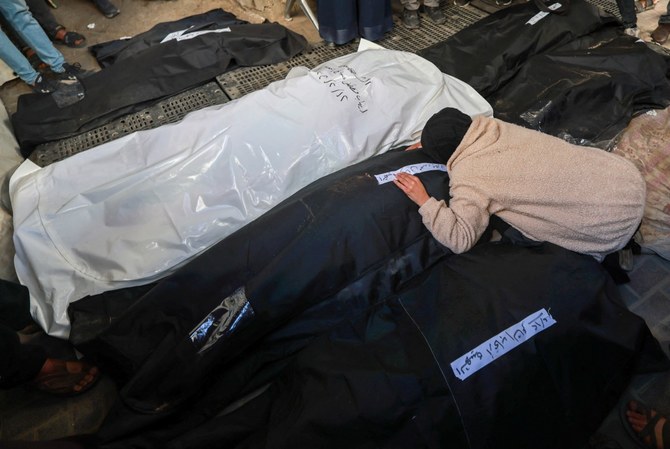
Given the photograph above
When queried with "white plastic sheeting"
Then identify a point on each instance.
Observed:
(132, 210)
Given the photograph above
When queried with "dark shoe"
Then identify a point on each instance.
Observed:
(71, 72)
(72, 39)
(632, 31)
(435, 14)
(43, 85)
(661, 33)
(76, 70)
(410, 18)
(107, 8)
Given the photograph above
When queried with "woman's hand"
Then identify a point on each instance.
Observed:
(413, 187)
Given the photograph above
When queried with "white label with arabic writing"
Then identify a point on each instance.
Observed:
(541, 15)
(472, 361)
(411, 169)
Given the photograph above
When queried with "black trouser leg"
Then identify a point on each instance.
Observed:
(41, 12)
(665, 18)
(628, 14)
(18, 363)
(14, 305)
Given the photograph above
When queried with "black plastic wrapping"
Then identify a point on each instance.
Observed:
(107, 53)
(575, 76)
(382, 376)
(342, 236)
(145, 77)
(337, 336)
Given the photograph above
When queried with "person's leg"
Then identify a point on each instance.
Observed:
(648, 426)
(14, 305)
(56, 32)
(410, 4)
(665, 18)
(662, 32)
(374, 18)
(628, 13)
(410, 14)
(16, 61)
(19, 363)
(17, 14)
(23, 363)
(433, 11)
(66, 377)
(107, 8)
(41, 12)
(338, 20)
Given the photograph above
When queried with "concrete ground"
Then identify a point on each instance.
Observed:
(30, 415)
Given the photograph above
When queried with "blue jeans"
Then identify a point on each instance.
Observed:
(17, 15)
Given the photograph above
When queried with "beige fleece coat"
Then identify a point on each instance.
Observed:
(584, 199)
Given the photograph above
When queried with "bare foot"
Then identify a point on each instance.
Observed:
(66, 377)
(648, 425)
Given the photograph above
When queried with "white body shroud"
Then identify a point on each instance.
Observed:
(132, 210)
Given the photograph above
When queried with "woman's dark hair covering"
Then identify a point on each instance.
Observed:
(443, 133)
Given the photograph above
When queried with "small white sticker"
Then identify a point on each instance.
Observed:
(493, 348)
(411, 169)
(541, 15)
(184, 34)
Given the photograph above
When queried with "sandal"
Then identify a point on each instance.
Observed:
(644, 5)
(646, 438)
(66, 377)
(35, 60)
(70, 38)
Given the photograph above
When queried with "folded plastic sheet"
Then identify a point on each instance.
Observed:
(576, 76)
(130, 211)
(559, 346)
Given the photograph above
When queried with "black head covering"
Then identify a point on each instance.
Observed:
(443, 133)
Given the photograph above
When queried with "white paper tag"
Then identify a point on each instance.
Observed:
(411, 169)
(184, 34)
(493, 348)
(541, 15)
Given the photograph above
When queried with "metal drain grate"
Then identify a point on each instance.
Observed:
(458, 18)
(607, 5)
(166, 111)
(242, 81)
(245, 80)
(237, 83)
